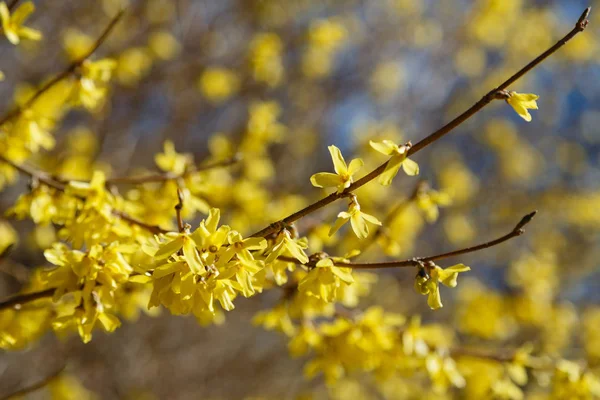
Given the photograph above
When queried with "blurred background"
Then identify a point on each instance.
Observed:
(204, 73)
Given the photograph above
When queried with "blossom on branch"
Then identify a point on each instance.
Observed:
(521, 102)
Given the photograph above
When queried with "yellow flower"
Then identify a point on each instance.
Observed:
(429, 201)
(358, 220)
(76, 43)
(398, 159)
(218, 84)
(12, 25)
(91, 88)
(285, 242)
(171, 161)
(343, 172)
(521, 102)
(325, 279)
(428, 282)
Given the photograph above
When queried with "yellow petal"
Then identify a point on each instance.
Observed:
(167, 249)
(434, 300)
(339, 164)
(355, 165)
(410, 167)
(325, 179)
(21, 13)
(338, 224)
(109, 322)
(31, 34)
(390, 170)
(192, 257)
(359, 226)
(383, 147)
(4, 14)
(370, 218)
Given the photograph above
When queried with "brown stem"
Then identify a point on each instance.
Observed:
(154, 229)
(497, 93)
(178, 208)
(36, 174)
(64, 74)
(413, 262)
(504, 357)
(167, 176)
(18, 300)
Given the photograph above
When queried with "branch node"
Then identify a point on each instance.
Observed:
(583, 21)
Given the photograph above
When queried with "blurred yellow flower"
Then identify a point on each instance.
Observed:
(164, 45)
(218, 84)
(13, 24)
(76, 43)
(172, 161)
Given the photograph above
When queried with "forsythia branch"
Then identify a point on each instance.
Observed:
(47, 180)
(498, 93)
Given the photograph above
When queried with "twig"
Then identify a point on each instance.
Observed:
(178, 208)
(497, 93)
(64, 74)
(18, 300)
(167, 176)
(154, 229)
(35, 386)
(47, 180)
(516, 231)
(499, 357)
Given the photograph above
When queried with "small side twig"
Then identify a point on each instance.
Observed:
(168, 176)
(178, 208)
(516, 231)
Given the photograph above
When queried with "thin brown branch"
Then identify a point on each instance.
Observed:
(168, 176)
(506, 356)
(178, 208)
(413, 262)
(65, 73)
(154, 229)
(496, 93)
(47, 180)
(36, 386)
(18, 300)
(34, 173)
